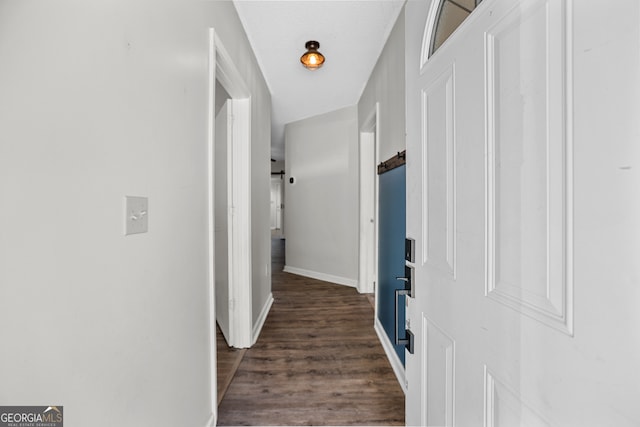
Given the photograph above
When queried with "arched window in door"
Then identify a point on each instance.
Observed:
(449, 16)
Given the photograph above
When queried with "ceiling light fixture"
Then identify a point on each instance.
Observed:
(312, 59)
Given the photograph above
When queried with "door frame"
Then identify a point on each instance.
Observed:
(369, 135)
(222, 69)
(278, 207)
(222, 160)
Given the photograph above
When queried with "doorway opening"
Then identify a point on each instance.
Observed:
(368, 264)
(229, 207)
(277, 200)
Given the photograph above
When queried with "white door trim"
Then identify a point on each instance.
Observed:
(211, 230)
(240, 225)
(369, 135)
(222, 69)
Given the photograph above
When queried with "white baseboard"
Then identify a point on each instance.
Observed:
(212, 420)
(394, 360)
(365, 288)
(257, 326)
(322, 276)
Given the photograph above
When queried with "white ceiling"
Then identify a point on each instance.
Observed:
(351, 33)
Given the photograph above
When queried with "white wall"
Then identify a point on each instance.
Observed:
(99, 100)
(386, 85)
(321, 221)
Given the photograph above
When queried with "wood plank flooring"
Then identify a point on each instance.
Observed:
(228, 360)
(318, 361)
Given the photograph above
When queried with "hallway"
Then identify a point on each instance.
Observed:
(318, 361)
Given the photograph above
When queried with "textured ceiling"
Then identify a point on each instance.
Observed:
(351, 33)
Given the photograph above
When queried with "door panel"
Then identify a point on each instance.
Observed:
(392, 220)
(527, 165)
(439, 176)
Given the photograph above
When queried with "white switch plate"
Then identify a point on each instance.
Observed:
(136, 215)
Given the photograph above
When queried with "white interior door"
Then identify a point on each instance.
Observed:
(276, 203)
(279, 202)
(222, 220)
(274, 191)
(368, 243)
(525, 124)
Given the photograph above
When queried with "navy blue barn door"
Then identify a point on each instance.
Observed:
(391, 252)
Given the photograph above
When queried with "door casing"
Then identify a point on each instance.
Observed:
(222, 69)
(368, 259)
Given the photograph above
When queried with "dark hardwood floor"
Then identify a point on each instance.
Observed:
(317, 361)
(228, 360)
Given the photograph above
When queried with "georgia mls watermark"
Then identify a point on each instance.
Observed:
(31, 416)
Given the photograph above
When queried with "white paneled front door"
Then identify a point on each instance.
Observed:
(526, 298)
